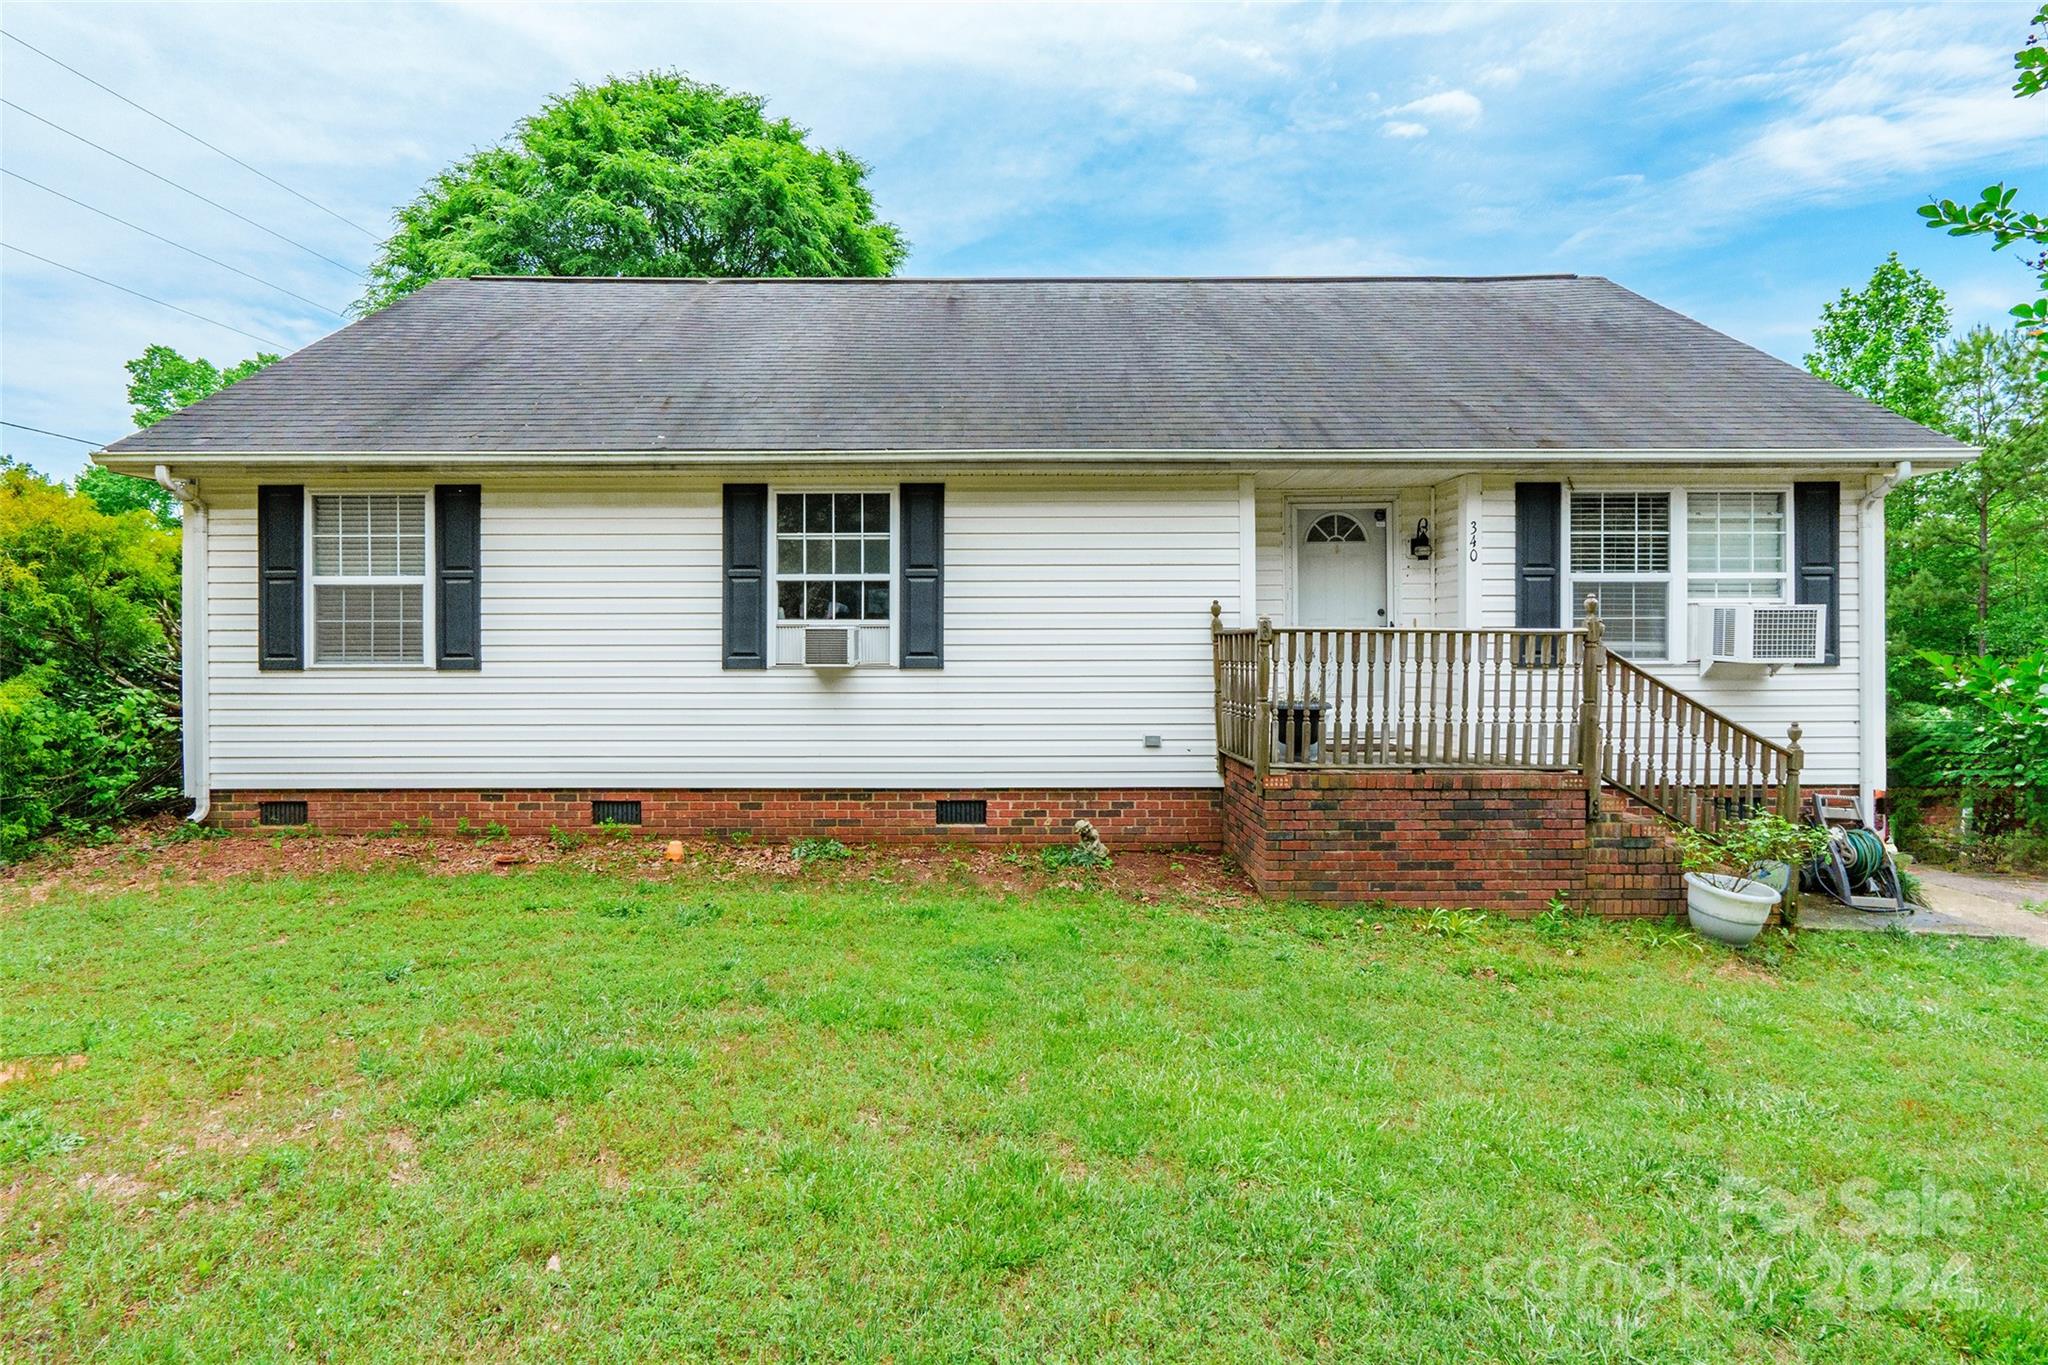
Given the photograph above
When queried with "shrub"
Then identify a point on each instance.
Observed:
(819, 850)
(88, 661)
(1061, 857)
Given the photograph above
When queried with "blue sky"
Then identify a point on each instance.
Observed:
(1739, 163)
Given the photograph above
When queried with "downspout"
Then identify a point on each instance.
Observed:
(192, 629)
(1870, 636)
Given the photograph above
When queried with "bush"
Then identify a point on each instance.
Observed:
(88, 661)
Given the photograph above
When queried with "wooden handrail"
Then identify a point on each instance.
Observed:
(1686, 760)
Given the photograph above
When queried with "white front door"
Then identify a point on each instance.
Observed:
(1340, 566)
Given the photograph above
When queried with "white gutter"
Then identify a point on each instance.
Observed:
(1870, 634)
(1119, 460)
(192, 630)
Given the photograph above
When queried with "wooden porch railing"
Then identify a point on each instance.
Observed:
(1546, 699)
(1687, 760)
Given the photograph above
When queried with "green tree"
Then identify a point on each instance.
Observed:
(1970, 566)
(1994, 214)
(649, 175)
(88, 660)
(1883, 341)
(117, 493)
(160, 380)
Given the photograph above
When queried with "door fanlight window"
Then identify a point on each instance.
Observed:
(1335, 529)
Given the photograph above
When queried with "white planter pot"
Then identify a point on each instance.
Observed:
(1727, 909)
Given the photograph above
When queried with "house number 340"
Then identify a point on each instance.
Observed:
(1473, 553)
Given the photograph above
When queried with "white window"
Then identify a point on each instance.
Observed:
(832, 560)
(1621, 556)
(369, 579)
(1735, 546)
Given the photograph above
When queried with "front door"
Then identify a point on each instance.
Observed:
(1340, 566)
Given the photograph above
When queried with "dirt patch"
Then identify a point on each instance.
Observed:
(160, 852)
(30, 1067)
(113, 1185)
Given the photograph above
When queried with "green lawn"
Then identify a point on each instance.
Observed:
(625, 1114)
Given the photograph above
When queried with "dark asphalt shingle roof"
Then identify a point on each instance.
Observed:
(1549, 362)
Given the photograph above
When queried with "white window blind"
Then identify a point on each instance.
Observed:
(1621, 557)
(369, 578)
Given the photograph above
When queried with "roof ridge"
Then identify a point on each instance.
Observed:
(1019, 279)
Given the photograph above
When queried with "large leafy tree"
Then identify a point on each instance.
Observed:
(1970, 545)
(1995, 215)
(650, 175)
(161, 380)
(1883, 341)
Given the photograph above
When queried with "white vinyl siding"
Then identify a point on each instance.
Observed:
(1077, 623)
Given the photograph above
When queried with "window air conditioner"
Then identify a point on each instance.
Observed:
(1745, 639)
(831, 646)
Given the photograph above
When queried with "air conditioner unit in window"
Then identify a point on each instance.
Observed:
(1750, 639)
(831, 646)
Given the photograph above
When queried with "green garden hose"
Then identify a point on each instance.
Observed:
(1865, 854)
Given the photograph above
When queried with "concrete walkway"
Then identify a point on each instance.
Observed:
(1981, 907)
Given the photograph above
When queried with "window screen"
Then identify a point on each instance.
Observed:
(369, 578)
(832, 559)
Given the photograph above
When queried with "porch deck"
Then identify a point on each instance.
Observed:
(1411, 713)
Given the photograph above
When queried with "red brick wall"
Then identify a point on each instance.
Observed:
(1504, 841)
(1134, 818)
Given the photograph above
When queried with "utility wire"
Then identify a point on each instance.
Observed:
(189, 133)
(96, 445)
(168, 242)
(267, 341)
(176, 186)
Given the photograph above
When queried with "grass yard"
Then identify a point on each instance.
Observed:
(627, 1111)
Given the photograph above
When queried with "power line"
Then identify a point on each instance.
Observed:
(176, 186)
(194, 136)
(267, 341)
(96, 445)
(168, 242)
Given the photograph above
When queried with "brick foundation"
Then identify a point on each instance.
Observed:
(1128, 818)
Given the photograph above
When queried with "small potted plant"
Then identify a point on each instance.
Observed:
(1734, 877)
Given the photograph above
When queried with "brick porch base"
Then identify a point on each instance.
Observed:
(1505, 841)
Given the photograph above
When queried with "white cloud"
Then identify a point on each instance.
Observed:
(1406, 130)
(1897, 97)
(1460, 107)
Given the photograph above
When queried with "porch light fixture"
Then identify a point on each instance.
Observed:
(1418, 544)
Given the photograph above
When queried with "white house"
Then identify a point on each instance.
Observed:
(511, 546)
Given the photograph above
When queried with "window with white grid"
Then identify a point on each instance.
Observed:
(832, 557)
(1621, 556)
(369, 578)
(1735, 546)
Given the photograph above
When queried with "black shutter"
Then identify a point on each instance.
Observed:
(280, 568)
(746, 575)
(458, 568)
(924, 575)
(1539, 545)
(1817, 554)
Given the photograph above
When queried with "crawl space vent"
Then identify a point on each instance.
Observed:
(281, 813)
(615, 812)
(963, 812)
